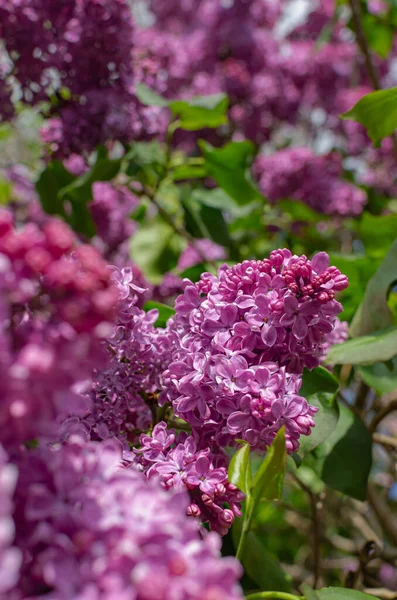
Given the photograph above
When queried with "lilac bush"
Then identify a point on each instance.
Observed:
(209, 437)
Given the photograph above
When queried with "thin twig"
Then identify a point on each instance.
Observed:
(316, 529)
(385, 440)
(383, 513)
(381, 415)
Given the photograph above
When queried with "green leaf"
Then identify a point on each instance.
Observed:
(380, 376)
(165, 312)
(310, 594)
(229, 166)
(268, 481)
(146, 161)
(149, 97)
(181, 172)
(201, 111)
(377, 346)
(240, 469)
(379, 34)
(262, 566)
(104, 169)
(319, 388)
(155, 248)
(197, 113)
(51, 181)
(79, 191)
(333, 593)
(374, 313)
(203, 221)
(377, 111)
(216, 198)
(343, 461)
(193, 273)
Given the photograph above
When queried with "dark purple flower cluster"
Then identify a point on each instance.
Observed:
(81, 51)
(180, 465)
(57, 303)
(89, 528)
(241, 341)
(297, 173)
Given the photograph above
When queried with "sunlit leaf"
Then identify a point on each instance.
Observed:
(377, 111)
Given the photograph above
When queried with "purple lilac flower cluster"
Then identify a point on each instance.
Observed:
(297, 173)
(82, 51)
(89, 528)
(241, 341)
(202, 250)
(180, 465)
(119, 404)
(57, 304)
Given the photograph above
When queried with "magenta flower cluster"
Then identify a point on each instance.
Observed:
(180, 465)
(241, 341)
(89, 528)
(297, 173)
(57, 304)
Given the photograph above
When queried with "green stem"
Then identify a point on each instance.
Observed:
(273, 596)
(245, 531)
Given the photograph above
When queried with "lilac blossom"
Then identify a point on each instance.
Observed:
(297, 173)
(81, 53)
(89, 528)
(57, 303)
(116, 403)
(240, 343)
(201, 251)
(180, 465)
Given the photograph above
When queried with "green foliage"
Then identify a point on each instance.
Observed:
(240, 469)
(319, 388)
(63, 194)
(267, 483)
(262, 566)
(194, 114)
(374, 313)
(377, 111)
(382, 376)
(155, 248)
(229, 167)
(201, 112)
(344, 459)
(145, 162)
(165, 312)
(377, 346)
